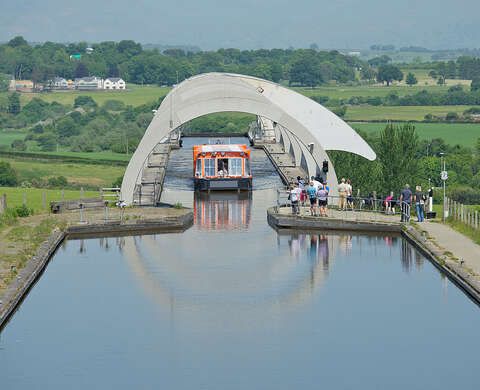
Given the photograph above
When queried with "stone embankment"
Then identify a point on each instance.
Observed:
(22, 275)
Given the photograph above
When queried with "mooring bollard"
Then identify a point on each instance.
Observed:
(106, 211)
(81, 213)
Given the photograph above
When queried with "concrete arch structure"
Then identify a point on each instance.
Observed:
(209, 93)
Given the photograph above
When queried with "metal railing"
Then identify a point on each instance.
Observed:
(375, 206)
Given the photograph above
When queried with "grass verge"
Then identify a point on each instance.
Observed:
(466, 230)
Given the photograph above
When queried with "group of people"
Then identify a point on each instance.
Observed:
(418, 199)
(316, 191)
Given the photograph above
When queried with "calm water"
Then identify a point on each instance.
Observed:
(232, 304)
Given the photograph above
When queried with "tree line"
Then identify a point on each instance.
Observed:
(129, 60)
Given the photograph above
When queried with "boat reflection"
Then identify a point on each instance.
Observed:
(222, 210)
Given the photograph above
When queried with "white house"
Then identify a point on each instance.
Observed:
(88, 83)
(114, 83)
(58, 83)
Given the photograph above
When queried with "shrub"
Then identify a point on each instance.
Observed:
(451, 116)
(465, 194)
(23, 211)
(8, 175)
(118, 182)
(114, 105)
(19, 145)
(58, 181)
(84, 101)
(320, 99)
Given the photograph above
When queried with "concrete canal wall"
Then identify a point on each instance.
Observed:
(27, 277)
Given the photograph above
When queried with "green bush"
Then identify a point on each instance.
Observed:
(8, 175)
(57, 181)
(118, 182)
(23, 211)
(464, 194)
(19, 145)
(84, 101)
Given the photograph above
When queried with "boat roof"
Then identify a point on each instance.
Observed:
(222, 148)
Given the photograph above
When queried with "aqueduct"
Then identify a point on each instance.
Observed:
(305, 128)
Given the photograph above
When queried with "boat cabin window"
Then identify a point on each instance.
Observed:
(209, 166)
(222, 166)
(235, 167)
(198, 167)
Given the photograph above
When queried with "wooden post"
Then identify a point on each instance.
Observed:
(3, 203)
(63, 195)
(44, 200)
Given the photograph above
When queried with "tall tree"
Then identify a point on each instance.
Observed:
(81, 70)
(14, 103)
(411, 79)
(396, 152)
(389, 73)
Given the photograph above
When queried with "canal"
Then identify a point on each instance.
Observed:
(233, 304)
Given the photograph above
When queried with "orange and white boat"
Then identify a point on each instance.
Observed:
(221, 167)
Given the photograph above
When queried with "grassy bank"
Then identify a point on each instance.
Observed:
(34, 196)
(75, 173)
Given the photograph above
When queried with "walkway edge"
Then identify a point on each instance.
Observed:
(18, 290)
(27, 277)
(455, 272)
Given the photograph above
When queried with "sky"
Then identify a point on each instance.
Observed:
(247, 24)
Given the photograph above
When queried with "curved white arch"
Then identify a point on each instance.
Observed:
(222, 92)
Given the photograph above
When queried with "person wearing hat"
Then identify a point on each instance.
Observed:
(342, 193)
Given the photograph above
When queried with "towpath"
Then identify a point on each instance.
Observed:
(461, 247)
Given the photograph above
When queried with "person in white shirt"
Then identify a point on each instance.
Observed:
(294, 196)
(316, 183)
(342, 193)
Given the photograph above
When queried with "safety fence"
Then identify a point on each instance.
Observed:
(371, 205)
(463, 213)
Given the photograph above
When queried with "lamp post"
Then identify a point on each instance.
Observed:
(444, 177)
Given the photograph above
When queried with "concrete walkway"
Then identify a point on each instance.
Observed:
(452, 241)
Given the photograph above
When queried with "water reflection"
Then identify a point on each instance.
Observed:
(410, 256)
(222, 210)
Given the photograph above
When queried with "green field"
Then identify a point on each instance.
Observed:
(136, 95)
(346, 92)
(106, 155)
(34, 196)
(7, 137)
(465, 134)
(79, 174)
(398, 113)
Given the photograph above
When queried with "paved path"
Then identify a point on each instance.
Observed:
(452, 241)
(348, 215)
